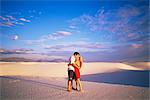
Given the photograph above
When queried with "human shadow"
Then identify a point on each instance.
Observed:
(58, 87)
(123, 77)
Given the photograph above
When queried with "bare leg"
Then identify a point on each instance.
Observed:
(69, 85)
(76, 85)
(80, 85)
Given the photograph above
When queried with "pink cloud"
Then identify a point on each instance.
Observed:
(121, 22)
(57, 35)
(128, 11)
(10, 21)
(8, 24)
(11, 17)
(78, 46)
(136, 46)
(2, 50)
(63, 33)
(3, 18)
(24, 20)
(53, 36)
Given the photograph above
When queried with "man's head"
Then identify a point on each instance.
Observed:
(76, 54)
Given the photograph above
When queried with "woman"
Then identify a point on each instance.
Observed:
(78, 62)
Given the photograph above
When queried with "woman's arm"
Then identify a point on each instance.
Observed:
(81, 60)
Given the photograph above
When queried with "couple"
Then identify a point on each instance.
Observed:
(74, 66)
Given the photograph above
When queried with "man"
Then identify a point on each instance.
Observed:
(74, 66)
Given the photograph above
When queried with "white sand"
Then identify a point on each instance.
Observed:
(38, 88)
(47, 81)
(58, 69)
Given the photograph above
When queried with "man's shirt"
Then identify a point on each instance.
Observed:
(71, 61)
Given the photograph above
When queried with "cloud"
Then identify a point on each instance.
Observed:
(80, 46)
(10, 21)
(62, 33)
(3, 18)
(29, 55)
(128, 11)
(24, 20)
(11, 17)
(92, 51)
(35, 42)
(34, 56)
(57, 35)
(7, 21)
(116, 24)
(19, 23)
(53, 36)
(137, 46)
(8, 24)
(133, 52)
(72, 27)
(15, 51)
(34, 13)
(122, 52)
(2, 50)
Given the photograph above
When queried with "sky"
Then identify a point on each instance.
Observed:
(100, 30)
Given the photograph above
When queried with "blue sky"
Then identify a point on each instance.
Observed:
(110, 30)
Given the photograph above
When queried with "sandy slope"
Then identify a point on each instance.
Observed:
(47, 81)
(38, 88)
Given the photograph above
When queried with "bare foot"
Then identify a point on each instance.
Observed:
(74, 88)
(82, 91)
(69, 90)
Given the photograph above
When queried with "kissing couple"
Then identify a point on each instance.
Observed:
(74, 66)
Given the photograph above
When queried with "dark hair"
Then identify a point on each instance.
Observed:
(76, 53)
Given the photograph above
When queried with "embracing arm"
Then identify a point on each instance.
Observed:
(75, 65)
(73, 62)
(81, 60)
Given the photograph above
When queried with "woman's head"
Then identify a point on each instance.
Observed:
(76, 54)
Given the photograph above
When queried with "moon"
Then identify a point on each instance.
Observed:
(15, 37)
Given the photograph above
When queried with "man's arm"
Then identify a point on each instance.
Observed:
(81, 63)
(75, 65)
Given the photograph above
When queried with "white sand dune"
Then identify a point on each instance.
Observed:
(47, 88)
(58, 69)
(47, 81)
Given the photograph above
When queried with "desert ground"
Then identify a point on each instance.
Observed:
(48, 81)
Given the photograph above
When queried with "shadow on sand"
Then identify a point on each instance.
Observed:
(58, 87)
(125, 77)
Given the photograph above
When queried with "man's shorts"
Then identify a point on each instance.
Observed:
(71, 75)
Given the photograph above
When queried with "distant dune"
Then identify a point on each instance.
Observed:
(19, 59)
(60, 69)
(143, 65)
